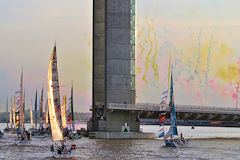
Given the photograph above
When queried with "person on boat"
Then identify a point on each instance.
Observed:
(52, 148)
(182, 139)
(28, 135)
(19, 132)
(65, 132)
(59, 150)
(64, 148)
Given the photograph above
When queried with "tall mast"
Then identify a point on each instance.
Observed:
(73, 124)
(41, 111)
(14, 102)
(24, 110)
(31, 115)
(36, 110)
(172, 108)
(21, 101)
(7, 111)
(10, 113)
(46, 114)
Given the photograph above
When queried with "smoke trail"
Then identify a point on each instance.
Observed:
(208, 58)
(147, 59)
(199, 55)
(154, 64)
(141, 46)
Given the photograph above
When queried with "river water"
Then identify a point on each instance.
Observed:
(206, 143)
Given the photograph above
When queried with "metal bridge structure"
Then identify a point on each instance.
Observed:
(183, 112)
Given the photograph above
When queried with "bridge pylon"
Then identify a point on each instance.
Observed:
(114, 70)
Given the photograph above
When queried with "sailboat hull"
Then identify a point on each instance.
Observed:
(23, 142)
(74, 136)
(176, 143)
(63, 155)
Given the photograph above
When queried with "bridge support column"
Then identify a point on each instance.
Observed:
(113, 68)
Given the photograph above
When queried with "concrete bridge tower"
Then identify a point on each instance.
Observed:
(113, 68)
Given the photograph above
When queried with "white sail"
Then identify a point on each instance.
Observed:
(63, 113)
(54, 98)
(31, 116)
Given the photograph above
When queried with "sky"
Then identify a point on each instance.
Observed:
(202, 35)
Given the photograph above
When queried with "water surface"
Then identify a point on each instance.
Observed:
(215, 146)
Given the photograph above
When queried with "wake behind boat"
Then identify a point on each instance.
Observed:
(61, 150)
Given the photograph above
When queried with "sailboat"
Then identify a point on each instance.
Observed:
(35, 113)
(23, 136)
(13, 117)
(171, 138)
(10, 114)
(41, 113)
(7, 129)
(35, 130)
(72, 134)
(61, 150)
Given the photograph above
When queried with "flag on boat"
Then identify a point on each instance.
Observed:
(69, 114)
(163, 98)
(165, 92)
(161, 135)
(161, 130)
(164, 107)
(162, 119)
(17, 92)
(164, 113)
(163, 102)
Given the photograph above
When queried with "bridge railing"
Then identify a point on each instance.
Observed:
(160, 107)
(145, 106)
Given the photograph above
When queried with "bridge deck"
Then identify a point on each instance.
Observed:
(179, 108)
